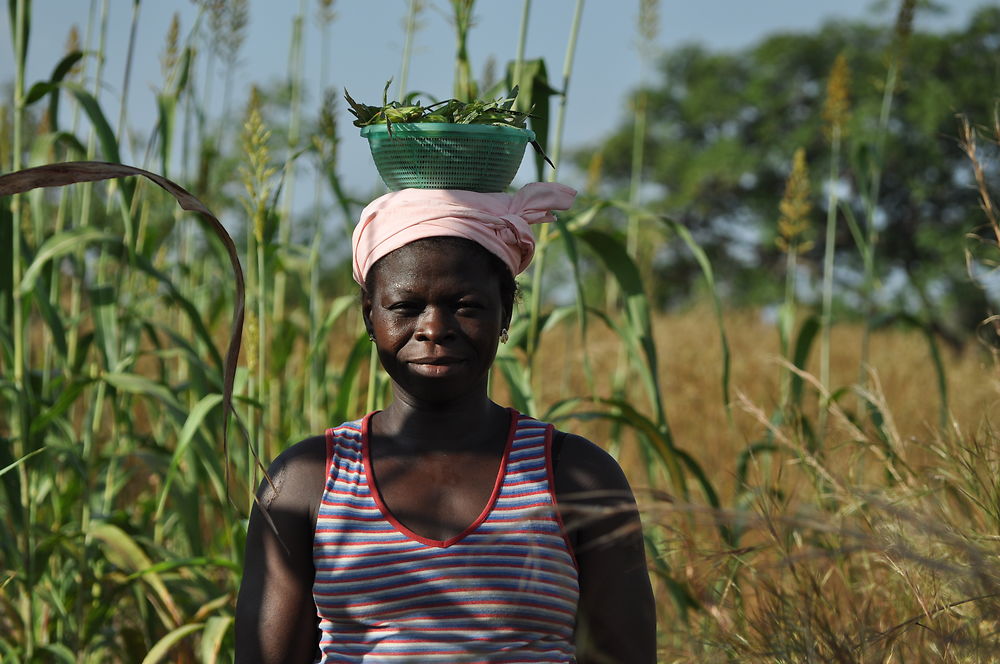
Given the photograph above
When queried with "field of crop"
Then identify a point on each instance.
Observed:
(816, 484)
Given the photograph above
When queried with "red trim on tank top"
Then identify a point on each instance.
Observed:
(398, 525)
(329, 458)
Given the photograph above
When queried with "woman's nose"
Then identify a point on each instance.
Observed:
(435, 324)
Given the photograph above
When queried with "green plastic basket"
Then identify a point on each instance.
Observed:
(441, 155)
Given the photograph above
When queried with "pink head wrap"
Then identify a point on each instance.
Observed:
(498, 222)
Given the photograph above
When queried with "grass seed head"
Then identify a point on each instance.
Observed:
(837, 107)
(649, 24)
(168, 61)
(795, 206)
(257, 172)
(228, 20)
(325, 13)
(72, 45)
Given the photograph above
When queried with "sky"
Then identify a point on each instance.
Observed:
(366, 44)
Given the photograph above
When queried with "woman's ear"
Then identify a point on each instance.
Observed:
(507, 314)
(366, 311)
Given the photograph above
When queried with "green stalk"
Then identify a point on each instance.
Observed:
(206, 93)
(87, 189)
(22, 419)
(55, 288)
(262, 326)
(294, 123)
(647, 33)
(256, 176)
(315, 304)
(635, 182)
(288, 196)
(95, 413)
(76, 297)
(828, 260)
(464, 85)
(522, 41)
(404, 67)
(253, 370)
(315, 376)
(535, 303)
(632, 233)
(648, 28)
(557, 136)
(120, 132)
(868, 254)
(21, 16)
(786, 324)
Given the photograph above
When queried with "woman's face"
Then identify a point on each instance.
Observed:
(436, 314)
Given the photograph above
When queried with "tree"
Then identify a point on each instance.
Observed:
(723, 128)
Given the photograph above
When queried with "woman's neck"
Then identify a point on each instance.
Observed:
(459, 425)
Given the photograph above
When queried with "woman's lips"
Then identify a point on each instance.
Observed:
(435, 366)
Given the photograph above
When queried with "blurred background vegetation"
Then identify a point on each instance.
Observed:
(775, 301)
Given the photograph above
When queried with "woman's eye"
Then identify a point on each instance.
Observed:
(470, 307)
(404, 307)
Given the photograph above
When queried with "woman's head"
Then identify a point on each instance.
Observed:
(436, 309)
(437, 273)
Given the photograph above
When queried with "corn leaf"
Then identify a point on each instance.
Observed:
(211, 639)
(651, 436)
(518, 383)
(349, 378)
(803, 344)
(638, 331)
(39, 90)
(569, 244)
(61, 244)
(44, 145)
(706, 269)
(59, 653)
(123, 552)
(534, 96)
(191, 426)
(142, 386)
(158, 653)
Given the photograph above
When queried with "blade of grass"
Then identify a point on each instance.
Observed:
(638, 326)
(12, 466)
(706, 269)
(158, 653)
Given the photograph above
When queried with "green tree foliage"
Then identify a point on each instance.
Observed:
(723, 128)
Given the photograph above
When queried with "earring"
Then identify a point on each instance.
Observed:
(371, 337)
(504, 337)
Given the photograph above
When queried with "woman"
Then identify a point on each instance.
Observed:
(445, 528)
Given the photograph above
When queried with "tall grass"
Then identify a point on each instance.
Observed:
(865, 538)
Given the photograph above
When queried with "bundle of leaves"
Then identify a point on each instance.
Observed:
(492, 112)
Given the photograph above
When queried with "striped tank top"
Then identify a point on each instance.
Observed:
(504, 590)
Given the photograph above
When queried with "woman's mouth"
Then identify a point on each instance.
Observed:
(435, 366)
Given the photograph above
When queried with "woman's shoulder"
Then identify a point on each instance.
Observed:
(584, 466)
(297, 475)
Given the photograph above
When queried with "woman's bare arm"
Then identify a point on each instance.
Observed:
(616, 620)
(275, 613)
